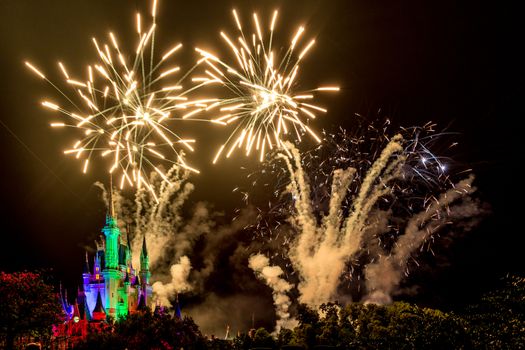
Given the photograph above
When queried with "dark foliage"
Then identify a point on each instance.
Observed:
(28, 306)
(146, 330)
(498, 320)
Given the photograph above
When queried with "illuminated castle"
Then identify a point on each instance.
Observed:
(112, 287)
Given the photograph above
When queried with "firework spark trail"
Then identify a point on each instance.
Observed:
(385, 169)
(158, 221)
(384, 275)
(124, 107)
(322, 250)
(264, 103)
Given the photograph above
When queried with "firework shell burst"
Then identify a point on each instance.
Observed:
(263, 103)
(122, 109)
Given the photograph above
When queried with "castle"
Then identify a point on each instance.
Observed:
(112, 287)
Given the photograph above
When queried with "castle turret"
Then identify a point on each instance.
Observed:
(85, 272)
(128, 258)
(97, 265)
(144, 263)
(123, 297)
(145, 274)
(111, 272)
(112, 234)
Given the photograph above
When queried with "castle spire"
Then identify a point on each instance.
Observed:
(144, 263)
(86, 265)
(111, 207)
(144, 252)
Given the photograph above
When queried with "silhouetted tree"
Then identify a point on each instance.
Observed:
(145, 330)
(284, 337)
(263, 339)
(28, 306)
(498, 320)
(242, 342)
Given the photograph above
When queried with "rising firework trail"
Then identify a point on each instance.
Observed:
(263, 100)
(121, 110)
(360, 207)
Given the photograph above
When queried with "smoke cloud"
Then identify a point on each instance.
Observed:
(384, 275)
(271, 275)
(326, 244)
(178, 284)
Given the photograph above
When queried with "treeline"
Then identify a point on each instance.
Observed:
(497, 321)
(29, 307)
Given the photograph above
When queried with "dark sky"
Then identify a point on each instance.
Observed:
(455, 64)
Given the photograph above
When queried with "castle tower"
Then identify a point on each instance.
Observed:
(112, 234)
(85, 272)
(145, 274)
(144, 263)
(111, 272)
(123, 298)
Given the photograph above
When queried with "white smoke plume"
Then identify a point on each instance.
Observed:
(384, 275)
(321, 250)
(271, 275)
(160, 221)
(178, 284)
(325, 244)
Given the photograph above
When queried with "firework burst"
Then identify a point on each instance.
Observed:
(263, 100)
(121, 109)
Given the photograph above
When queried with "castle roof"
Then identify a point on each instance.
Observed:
(144, 252)
(142, 303)
(98, 305)
(86, 265)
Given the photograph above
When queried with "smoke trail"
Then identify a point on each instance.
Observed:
(271, 275)
(159, 221)
(384, 275)
(321, 250)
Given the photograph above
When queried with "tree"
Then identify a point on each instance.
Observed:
(145, 330)
(28, 306)
(400, 326)
(242, 342)
(305, 333)
(330, 329)
(263, 339)
(284, 337)
(498, 320)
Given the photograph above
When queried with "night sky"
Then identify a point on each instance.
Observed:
(454, 64)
